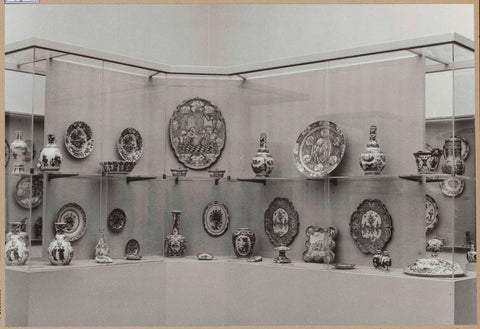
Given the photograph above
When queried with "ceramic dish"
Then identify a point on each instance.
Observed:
(215, 218)
(452, 186)
(344, 266)
(23, 190)
(431, 213)
(281, 222)
(7, 152)
(130, 145)
(79, 140)
(116, 220)
(117, 166)
(75, 219)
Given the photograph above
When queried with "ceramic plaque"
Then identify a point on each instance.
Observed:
(319, 149)
(23, 190)
(75, 219)
(197, 133)
(79, 140)
(431, 213)
(130, 145)
(132, 248)
(116, 220)
(320, 244)
(452, 186)
(215, 218)
(281, 222)
(7, 152)
(371, 226)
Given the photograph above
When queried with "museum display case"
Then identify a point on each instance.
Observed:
(342, 170)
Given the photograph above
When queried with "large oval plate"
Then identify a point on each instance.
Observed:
(452, 186)
(281, 222)
(215, 218)
(74, 216)
(197, 133)
(130, 145)
(431, 213)
(116, 220)
(22, 192)
(319, 149)
(79, 140)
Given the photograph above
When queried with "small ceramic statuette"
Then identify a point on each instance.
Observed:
(50, 156)
(16, 248)
(262, 162)
(372, 160)
(282, 257)
(472, 254)
(175, 243)
(320, 245)
(452, 152)
(382, 260)
(243, 240)
(102, 250)
(60, 251)
(255, 259)
(204, 256)
(19, 150)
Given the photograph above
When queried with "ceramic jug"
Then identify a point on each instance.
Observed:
(452, 152)
(19, 150)
(60, 251)
(50, 156)
(16, 248)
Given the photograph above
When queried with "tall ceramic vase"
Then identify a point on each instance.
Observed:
(19, 150)
(243, 240)
(452, 152)
(60, 251)
(175, 243)
(50, 157)
(262, 162)
(16, 248)
(372, 160)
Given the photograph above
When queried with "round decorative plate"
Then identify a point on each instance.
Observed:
(215, 218)
(319, 149)
(431, 213)
(130, 145)
(281, 222)
(31, 152)
(197, 133)
(116, 220)
(79, 140)
(452, 186)
(132, 247)
(23, 190)
(75, 218)
(7, 152)
(371, 226)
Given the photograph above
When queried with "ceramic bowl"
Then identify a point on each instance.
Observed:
(117, 166)
(216, 173)
(427, 161)
(180, 172)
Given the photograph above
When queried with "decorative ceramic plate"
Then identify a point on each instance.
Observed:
(116, 220)
(371, 226)
(281, 222)
(434, 267)
(79, 140)
(431, 213)
(23, 190)
(319, 149)
(130, 145)
(7, 152)
(197, 133)
(215, 218)
(31, 152)
(465, 147)
(132, 248)
(74, 216)
(452, 186)
(344, 266)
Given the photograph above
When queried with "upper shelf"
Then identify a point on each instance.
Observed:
(442, 52)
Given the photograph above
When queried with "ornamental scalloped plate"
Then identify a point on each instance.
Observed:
(197, 133)
(281, 222)
(79, 140)
(116, 220)
(7, 152)
(319, 149)
(22, 192)
(431, 213)
(371, 226)
(130, 145)
(74, 216)
(452, 186)
(132, 248)
(215, 218)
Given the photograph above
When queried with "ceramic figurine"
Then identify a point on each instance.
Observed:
(102, 250)
(50, 156)
(60, 251)
(372, 160)
(472, 254)
(434, 245)
(320, 244)
(382, 260)
(243, 242)
(19, 150)
(262, 162)
(282, 257)
(452, 152)
(377, 258)
(175, 243)
(16, 248)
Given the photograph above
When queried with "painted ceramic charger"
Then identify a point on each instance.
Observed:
(197, 133)
(116, 220)
(23, 190)
(79, 140)
(431, 213)
(75, 219)
(7, 152)
(452, 186)
(319, 149)
(371, 226)
(132, 248)
(281, 222)
(215, 218)
(130, 145)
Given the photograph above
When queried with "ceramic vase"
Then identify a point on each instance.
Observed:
(60, 251)
(452, 152)
(175, 243)
(427, 161)
(243, 242)
(372, 160)
(50, 157)
(102, 250)
(16, 248)
(19, 150)
(472, 254)
(262, 162)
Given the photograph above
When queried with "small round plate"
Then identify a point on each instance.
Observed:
(452, 186)
(215, 218)
(132, 248)
(23, 190)
(344, 266)
(7, 152)
(74, 216)
(116, 220)
(130, 145)
(79, 140)
(431, 213)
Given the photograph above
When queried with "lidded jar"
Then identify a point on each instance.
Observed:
(16, 248)
(243, 240)
(50, 157)
(19, 151)
(262, 162)
(60, 251)
(372, 160)
(452, 152)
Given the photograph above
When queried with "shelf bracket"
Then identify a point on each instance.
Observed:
(253, 180)
(139, 178)
(60, 175)
(177, 180)
(217, 180)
